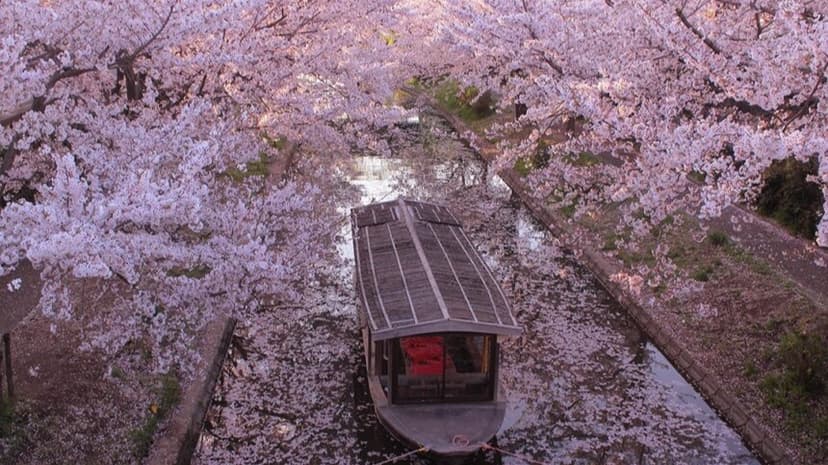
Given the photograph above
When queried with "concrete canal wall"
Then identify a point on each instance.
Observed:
(176, 444)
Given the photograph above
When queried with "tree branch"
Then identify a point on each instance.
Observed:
(810, 101)
(707, 41)
(123, 62)
(9, 154)
(149, 41)
(552, 64)
(273, 23)
(66, 73)
(21, 109)
(298, 30)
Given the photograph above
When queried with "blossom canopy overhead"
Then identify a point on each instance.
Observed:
(134, 137)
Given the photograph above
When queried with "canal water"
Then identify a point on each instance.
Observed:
(584, 384)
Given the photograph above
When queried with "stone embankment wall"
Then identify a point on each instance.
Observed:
(176, 444)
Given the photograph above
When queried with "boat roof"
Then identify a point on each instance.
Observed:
(417, 272)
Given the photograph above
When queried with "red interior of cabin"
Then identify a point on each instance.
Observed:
(425, 354)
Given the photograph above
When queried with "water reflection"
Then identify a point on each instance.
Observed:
(584, 384)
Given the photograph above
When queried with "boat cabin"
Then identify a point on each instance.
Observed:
(436, 367)
(431, 313)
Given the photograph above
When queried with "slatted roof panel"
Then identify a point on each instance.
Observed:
(378, 213)
(433, 213)
(418, 272)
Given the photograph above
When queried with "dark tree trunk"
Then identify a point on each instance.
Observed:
(520, 109)
(7, 350)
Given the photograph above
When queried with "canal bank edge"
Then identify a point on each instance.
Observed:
(177, 442)
(733, 410)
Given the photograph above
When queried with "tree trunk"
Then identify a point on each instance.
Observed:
(520, 109)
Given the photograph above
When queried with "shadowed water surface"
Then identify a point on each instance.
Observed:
(585, 386)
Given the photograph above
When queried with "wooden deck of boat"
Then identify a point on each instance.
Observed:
(445, 429)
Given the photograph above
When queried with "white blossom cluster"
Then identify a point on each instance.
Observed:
(14, 285)
(127, 126)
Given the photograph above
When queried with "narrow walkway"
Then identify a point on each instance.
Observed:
(802, 261)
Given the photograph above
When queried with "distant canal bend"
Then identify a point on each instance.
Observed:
(586, 387)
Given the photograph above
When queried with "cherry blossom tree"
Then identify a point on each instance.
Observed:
(136, 140)
(719, 88)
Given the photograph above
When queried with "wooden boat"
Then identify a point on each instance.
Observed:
(431, 313)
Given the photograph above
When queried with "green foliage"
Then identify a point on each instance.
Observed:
(805, 357)
(789, 198)
(196, 272)
(7, 419)
(703, 274)
(820, 427)
(662, 227)
(449, 95)
(584, 159)
(678, 255)
(700, 261)
(522, 166)
(415, 82)
(278, 142)
(760, 267)
(800, 378)
(142, 437)
(568, 210)
(254, 168)
(658, 290)
(146, 352)
(14, 434)
(635, 258)
(687, 256)
(610, 242)
(539, 159)
(750, 370)
(696, 176)
(718, 239)
(169, 394)
(755, 264)
(118, 373)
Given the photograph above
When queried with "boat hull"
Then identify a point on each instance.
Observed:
(447, 430)
(455, 429)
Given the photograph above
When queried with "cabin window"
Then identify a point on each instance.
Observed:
(444, 367)
(381, 355)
